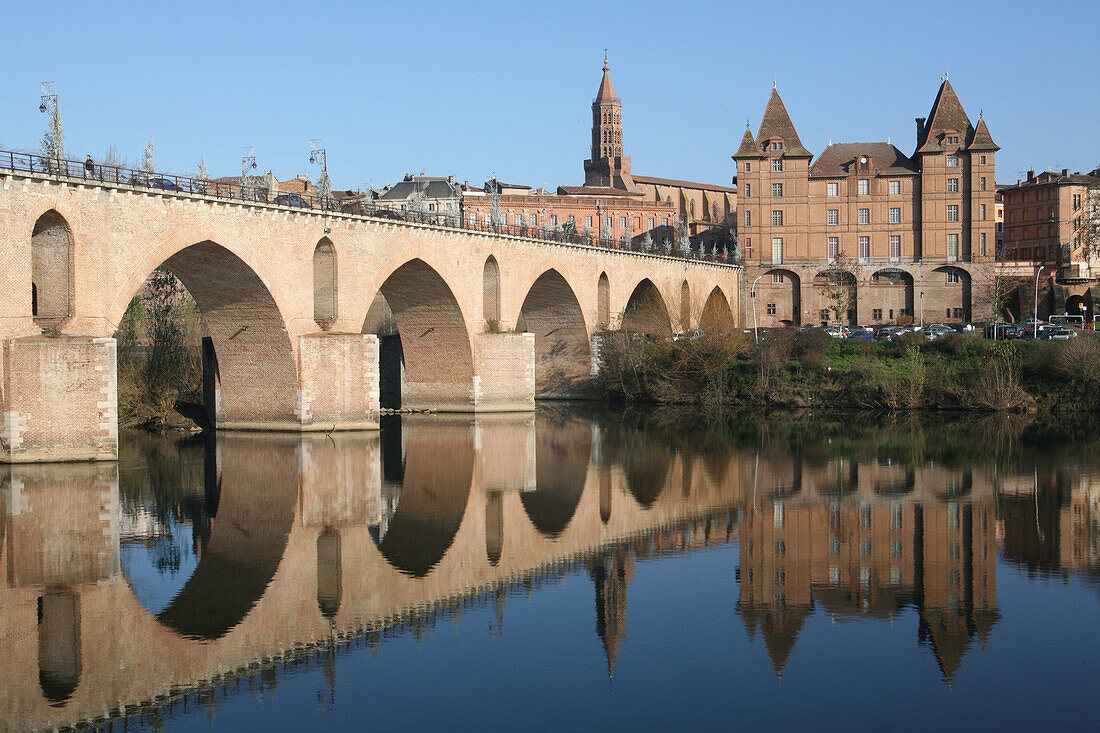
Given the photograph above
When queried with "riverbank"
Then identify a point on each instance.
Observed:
(790, 369)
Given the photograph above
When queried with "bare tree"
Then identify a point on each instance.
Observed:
(202, 174)
(840, 287)
(648, 244)
(148, 159)
(685, 239)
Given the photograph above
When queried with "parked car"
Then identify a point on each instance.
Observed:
(1059, 333)
(163, 183)
(934, 330)
(887, 333)
(837, 332)
(292, 199)
(861, 332)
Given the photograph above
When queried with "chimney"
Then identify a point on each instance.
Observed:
(920, 128)
(451, 180)
(1065, 171)
(1030, 175)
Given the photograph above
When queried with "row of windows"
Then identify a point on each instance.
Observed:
(523, 219)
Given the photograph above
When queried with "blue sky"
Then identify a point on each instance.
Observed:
(476, 88)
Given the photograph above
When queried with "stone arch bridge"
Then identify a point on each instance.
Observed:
(487, 322)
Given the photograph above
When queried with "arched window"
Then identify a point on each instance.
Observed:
(51, 268)
(491, 290)
(324, 283)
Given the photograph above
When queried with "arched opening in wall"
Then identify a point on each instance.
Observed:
(422, 517)
(324, 283)
(835, 295)
(204, 335)
(434, 343)
(685, 307)
(563, 355)
(603, 301)
(890, 295)
(1078, 305)
(329, 573)
(646, 312)
(562, 450)
(391, 361)
(51, 270)
(778, 299)
(59, 663)
(717, 317)
(947, 295)
(248, 516)
(491, 293)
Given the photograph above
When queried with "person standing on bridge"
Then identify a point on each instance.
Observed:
(89, 167)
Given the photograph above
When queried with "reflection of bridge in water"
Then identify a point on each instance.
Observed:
(307, 543)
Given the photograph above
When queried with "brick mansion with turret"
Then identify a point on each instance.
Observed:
(865, 233)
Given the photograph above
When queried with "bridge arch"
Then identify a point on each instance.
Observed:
(563, 355)
(647, 312)
(717, 316)
(51, 269)
(255, 370)
(324, 283)
(435, 343)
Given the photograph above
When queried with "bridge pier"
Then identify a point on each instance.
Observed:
(503, 379)
(60, 399)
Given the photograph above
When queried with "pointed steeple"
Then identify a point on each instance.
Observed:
(606, 92)
(947, 114)
(748, 147)
(776, 123)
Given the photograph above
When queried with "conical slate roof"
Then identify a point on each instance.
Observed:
(606, 92)
(777, 124)
(947, 114)
(982, 139)
(748, 147)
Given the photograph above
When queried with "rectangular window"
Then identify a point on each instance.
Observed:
(572, 219)
(748, 190)
(952, 276)
(895, 188)
(610, 222)
(664, 222)
(983, 160)
(895, 246)
(588, 221)
(864, 186)
(771, 309)
(652, 223)
(825, 314)
(748, 167)
(981, 184)
(864, 216)
(982, 245)
(777, 165)
(777, 277)
(553, 220)
(777, 190)
(833, 248)
(876, 314)
(622, 222)
(952, 185)
(952, 212)
(748, 218)
(864, 248)
(952, 161)
(777, 217)
(983, 212)
(777, 250)
(952, 253)
(958, 313)
(831, 189)
(834, 216)
(895, 215)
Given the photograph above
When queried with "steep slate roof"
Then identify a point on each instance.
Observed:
(595, 191)
(838, 159)
(748, 147)
(682, 184)
(606, 92)
(437, 188)
(982, 139)
(947, 114)
(777, 123)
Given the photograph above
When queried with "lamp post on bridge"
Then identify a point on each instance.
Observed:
(1035, 314)
(752, 297)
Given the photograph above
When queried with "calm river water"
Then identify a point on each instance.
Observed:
(642, 569)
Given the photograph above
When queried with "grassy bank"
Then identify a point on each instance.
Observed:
(810, 369)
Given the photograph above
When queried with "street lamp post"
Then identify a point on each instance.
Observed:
(922, 309)
(752, 297)
(1035, 315)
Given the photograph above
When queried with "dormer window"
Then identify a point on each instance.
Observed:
(777, 145)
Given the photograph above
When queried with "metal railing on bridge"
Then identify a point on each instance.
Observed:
(252, 190)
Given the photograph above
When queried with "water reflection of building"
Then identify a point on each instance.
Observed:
(871, 558)
(1052, 521)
